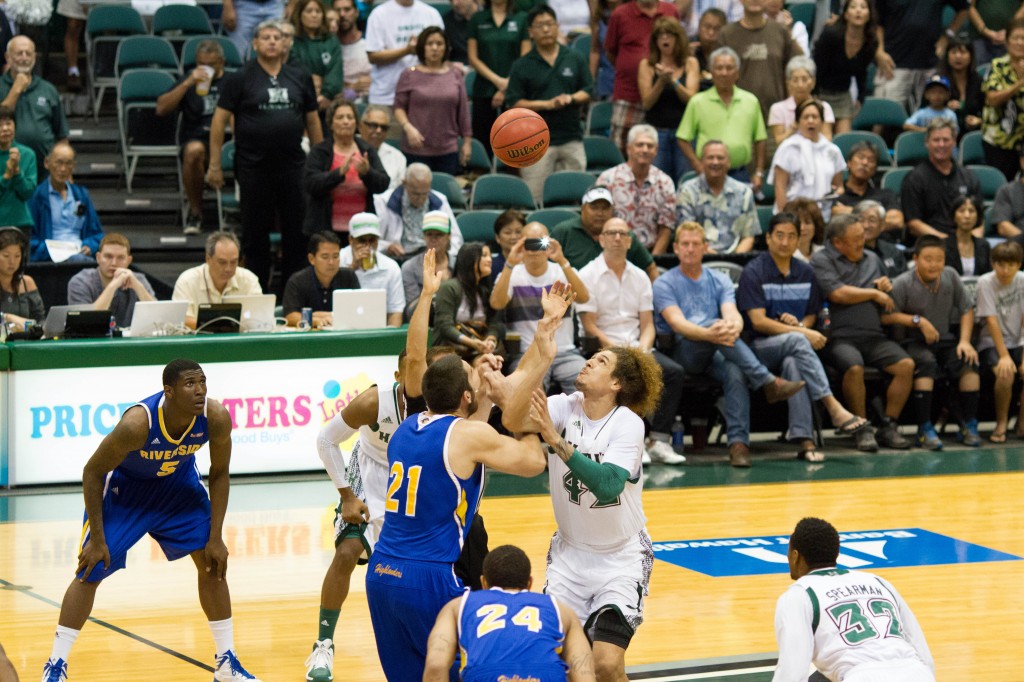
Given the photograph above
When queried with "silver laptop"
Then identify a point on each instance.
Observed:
(359, 309)
(55, 320)
(157, 318)
(257, 312)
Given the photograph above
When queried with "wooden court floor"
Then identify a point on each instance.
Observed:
(149, 624)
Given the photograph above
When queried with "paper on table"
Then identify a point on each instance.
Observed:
(61, 251)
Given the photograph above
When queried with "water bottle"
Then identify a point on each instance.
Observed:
(677, 432)
(825, 324)
(111, 327)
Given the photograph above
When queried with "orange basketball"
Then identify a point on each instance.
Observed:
(520, 137)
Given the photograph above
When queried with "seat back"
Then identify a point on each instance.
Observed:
(846, 142)
(145, 52)
(910, 149)
(232, 60)
(178, 21)
(880, 111)
(447, 185)
(971, 150)
(599, 119)
(549, 217)
(991, 179)
(105, 27)
(733, 270)
(501, 191)
(137, 93)
(478, 226)
(601, 153)
(478, 159)
(566, 188)
(893, 180)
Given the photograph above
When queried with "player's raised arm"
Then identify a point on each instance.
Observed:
(129, 434)
(443, 643)
(475, 443)
(419, 326)
(576, 649)
(219, 423)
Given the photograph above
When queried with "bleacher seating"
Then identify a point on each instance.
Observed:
(143, 133)
(105, 28)
(232, 60)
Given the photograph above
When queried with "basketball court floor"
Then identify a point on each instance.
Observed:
(946, 528)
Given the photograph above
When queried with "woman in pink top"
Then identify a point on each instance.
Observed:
(432, 107)
(342, 174)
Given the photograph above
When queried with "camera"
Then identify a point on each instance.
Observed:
(536, 244)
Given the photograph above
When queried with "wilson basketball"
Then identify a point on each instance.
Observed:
(520, 137)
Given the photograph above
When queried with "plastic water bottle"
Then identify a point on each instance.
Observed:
(825, 324)
(677, 432)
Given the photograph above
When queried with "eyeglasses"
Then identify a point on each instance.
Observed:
(543, 25)
(376, 126)
(615, 234)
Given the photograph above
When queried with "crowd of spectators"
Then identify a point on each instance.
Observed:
(845, 275)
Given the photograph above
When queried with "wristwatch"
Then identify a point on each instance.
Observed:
(916, 319)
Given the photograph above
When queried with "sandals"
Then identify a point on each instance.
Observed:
(851, 426)
(997, 437)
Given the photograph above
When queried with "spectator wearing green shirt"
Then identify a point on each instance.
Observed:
(579, 236)
(37, 107)
(18, 181)
(727, 113)
(555, 82)
(317, 50)
(497, 37)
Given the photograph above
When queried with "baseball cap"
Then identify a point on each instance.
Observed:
(937, 80)
(598, 193)
(436, 221)
(364, 225)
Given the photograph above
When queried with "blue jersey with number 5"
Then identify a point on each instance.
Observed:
(510, 635)
(427, 508)
(163, 455)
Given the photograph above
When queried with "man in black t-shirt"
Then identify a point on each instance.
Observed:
(196, 116)
(273, 104)
(313, 286)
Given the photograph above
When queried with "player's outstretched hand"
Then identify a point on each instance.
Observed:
(91, 555)
(556, 300)
(216, 554)
(431, 278)
(540, 419)
(354, 511)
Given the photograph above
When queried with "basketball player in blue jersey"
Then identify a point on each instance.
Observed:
(143, 479)
(506, 632)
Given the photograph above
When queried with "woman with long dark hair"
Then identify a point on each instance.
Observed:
(844, 50)
(966, 99)
(463, 317)
(497, 37)
(19, 298)
(317, 50)
(965, 252)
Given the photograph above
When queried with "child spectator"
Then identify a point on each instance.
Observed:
(937, 94)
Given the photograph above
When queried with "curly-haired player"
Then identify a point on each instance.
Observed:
(601, 556)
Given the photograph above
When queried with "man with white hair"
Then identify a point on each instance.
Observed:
(644, 195)
(401, 212)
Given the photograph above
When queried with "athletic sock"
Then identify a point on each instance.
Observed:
(63, 639)
(922, 401)
(223, 635)
(73, 71)
(328, 622)
(969, 404)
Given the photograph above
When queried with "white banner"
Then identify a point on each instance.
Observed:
(58, 417)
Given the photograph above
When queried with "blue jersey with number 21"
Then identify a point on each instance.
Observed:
(510, 635)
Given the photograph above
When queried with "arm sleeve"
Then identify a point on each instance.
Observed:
(446, 304)
(826, 274)
(318, 179)
(1002, 207)
(291, 301)
(25, 182)
(92, 231)
(749, 293)
(38, 207)
(403, 91)
(747, 224)
(334, 79)
(912, 198)
(514, 92)
(333, 433)
(793, 614)
(986, 297)
(606, 481)
(37, 309)
(78, 291)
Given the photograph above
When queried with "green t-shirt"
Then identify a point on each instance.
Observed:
(321, 57)
(580, 248)
(996, 14)
(532, 78)
(496, 46)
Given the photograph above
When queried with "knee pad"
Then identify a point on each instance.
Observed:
(608, 625)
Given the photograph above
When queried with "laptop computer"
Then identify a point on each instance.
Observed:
(257, 311)
(359, 309)
(53, 325)
(218, 318)
(157, 318)
(87, 324)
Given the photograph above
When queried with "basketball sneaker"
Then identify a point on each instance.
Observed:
(55, 670)
(229, 669)
(320, 662)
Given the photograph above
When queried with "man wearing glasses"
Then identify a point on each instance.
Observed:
(555, 82)
(373, 127)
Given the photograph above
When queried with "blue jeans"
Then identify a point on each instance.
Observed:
(249, 15)
(733, 367)
(670, 157)
(793, 358)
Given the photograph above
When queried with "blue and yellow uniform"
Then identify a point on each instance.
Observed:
(510, 635)
(156, 490)
(427, 513)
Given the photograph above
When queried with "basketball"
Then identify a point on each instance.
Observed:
(520, 137)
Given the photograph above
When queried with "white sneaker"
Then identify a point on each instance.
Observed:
(229, 669)
(321, 662)
(645, 458)
(663, 453)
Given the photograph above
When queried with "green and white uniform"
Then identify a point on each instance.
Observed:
(601, 555)
(854, 626)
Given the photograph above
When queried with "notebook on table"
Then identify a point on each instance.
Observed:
(359, 309)
(157, 318)
(257, 311)
(218, 318)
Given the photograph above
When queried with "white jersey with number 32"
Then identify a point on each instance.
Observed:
(616, 438)
(848, 622)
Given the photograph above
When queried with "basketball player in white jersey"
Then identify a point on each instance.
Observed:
(601, 556)
(853, 625)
